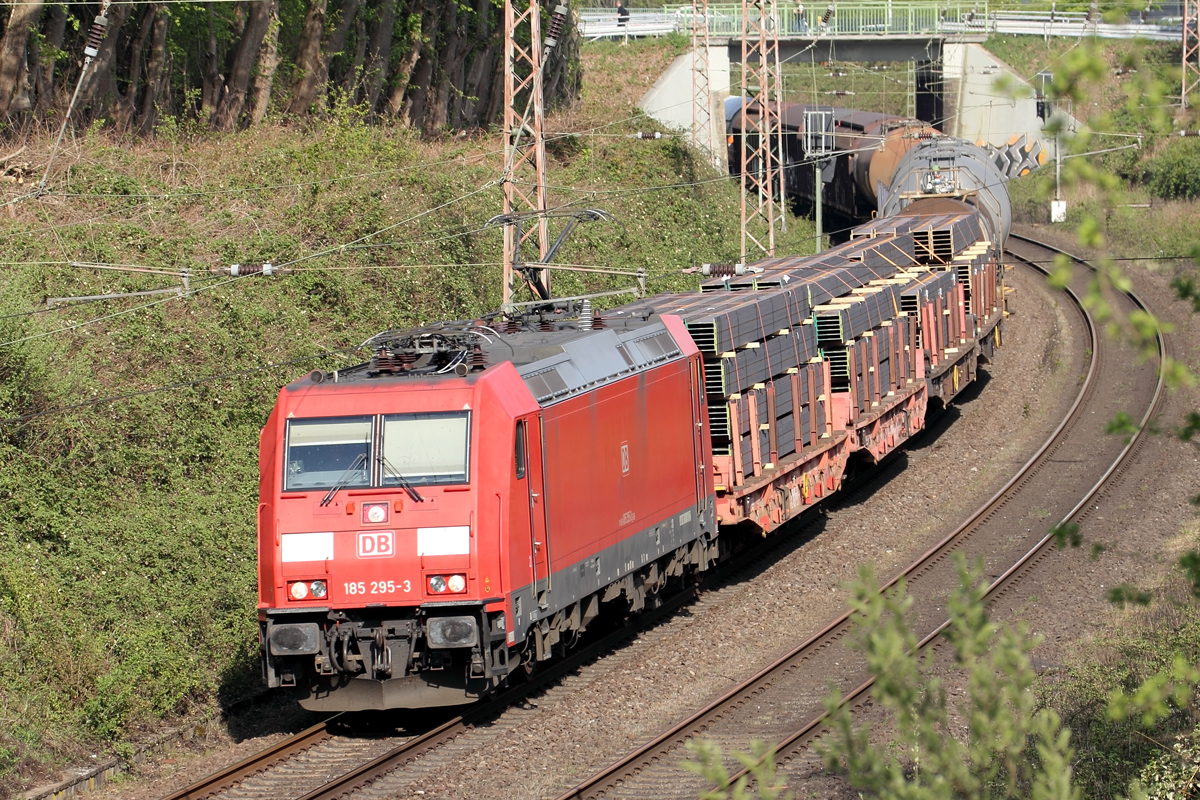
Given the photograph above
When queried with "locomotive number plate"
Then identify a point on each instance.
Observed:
(377, 587)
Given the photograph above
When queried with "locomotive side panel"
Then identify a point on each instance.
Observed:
(638, 434)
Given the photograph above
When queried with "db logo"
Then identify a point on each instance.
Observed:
(376, 544)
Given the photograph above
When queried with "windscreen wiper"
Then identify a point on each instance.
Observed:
(405, 484)
(345, 479)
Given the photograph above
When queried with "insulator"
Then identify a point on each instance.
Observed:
(242, 270)
(385, 361)
(1189, 133)
(511, 326)
(828, 14)
(95, 36)
(723, 270)
(646, 135)
(597, 322)
(556, 25)
(477, 358)
(585, 316)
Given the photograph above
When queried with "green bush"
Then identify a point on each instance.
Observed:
(1175, 172)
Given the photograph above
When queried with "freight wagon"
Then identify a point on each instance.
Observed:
(461, 507)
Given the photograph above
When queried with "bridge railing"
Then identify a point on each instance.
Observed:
(1079, 23)
(601, 23)
(852, 19)
(875, 17)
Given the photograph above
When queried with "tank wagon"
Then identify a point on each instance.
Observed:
(458, 509)
(877, 157)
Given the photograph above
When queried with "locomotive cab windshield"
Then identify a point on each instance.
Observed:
(386, 450)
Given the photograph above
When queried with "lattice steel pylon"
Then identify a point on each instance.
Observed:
(704, 135)
(524, 144)
(760, 161)
(1191, 49)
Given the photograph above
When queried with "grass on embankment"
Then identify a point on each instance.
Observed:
(127, 549)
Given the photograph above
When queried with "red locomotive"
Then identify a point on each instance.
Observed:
(461, 506)
(423, 528)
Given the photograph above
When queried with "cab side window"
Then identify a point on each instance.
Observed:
(519, 453)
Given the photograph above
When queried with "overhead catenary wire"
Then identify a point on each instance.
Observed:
(24, 418)
(193, 292)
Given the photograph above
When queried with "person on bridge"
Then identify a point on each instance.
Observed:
(799, 23)
(622, 14)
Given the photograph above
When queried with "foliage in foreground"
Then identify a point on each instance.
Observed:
(940, 749)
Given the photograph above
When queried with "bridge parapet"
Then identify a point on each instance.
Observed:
(879, 18)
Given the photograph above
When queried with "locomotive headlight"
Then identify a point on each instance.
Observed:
(437, 584)
(298, 590)
(318, 589)
(375, 512)
(456, 584)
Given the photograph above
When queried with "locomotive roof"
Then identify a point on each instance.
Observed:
(556, 362)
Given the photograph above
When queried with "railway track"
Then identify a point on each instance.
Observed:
(302, 766)
(781, 704)
(317, 763)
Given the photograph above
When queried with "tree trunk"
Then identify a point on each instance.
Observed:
(478, 88)
(480, 51)
(379, 52)
(448, 62)
(241, 68)
(100, 84)
(495, 100)
(400, 78)
(125, 103)
(210, 90)
(13, 59)
(333, 63)
(350, 80)
(309, 74)
(268, 62)
(156, 72)
(415, 104)
(56, 27)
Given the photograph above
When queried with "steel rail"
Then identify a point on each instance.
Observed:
(668, 741)
(294, 745)
(264, 759)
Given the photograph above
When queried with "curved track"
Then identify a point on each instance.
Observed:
(781, 703)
